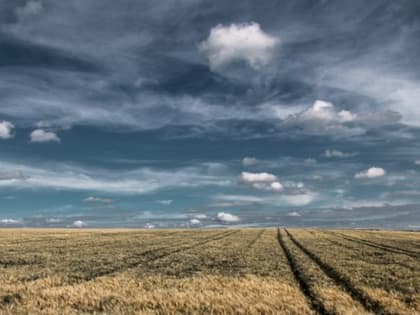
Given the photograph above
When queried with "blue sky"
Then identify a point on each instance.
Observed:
(207, 113)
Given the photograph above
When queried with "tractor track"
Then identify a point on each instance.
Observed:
(342, 281)
(154, 257)
(255, 240)
(384, 247)
(349, 247)
(314, 302)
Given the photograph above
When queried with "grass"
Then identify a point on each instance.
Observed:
(215, 271)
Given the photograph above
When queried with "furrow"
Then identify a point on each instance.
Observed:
(315, 303)
(342, 281)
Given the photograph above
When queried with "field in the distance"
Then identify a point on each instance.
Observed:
(220, 271)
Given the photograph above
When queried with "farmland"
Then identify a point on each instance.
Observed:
(213, 271)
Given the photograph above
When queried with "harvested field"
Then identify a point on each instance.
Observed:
(214, 271)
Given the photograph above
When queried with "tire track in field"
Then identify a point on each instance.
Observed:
(349, 247)
(200, 243)
(76, 243)
(94, 275)
(384, 247)
(314, 302)
(228, 260)
(126, 266)
(75, 247)
(179, 249)
(255, 240)
(342, 281)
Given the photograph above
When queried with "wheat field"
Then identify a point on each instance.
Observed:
(212, 271)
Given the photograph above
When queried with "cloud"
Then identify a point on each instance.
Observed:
(10, 221)
(372, 80)
(149, 226)
(238, 42)
(262, 181)
(97, 199)
(30, 8)
(165, 202)
(338, 154)
(310, 162)
(326, 111)
(372, 172)
(40, 135)
(294, 214)
(200, 216)
(227, 217)
(54, 220)
(248, 161)
(195, 221)
(134, 181)
(417, 162)
(250, 178)
(324, 118)
(294, 186)
(6, 129)
(274, 186)
(299, 199)
(11, 175)
(78, 224)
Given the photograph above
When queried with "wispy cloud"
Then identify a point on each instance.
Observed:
(97, 199)
(338, 154)
(138, 181)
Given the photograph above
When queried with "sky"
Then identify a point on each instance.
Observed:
(210, 113)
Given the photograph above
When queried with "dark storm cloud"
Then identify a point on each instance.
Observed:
(139, 53)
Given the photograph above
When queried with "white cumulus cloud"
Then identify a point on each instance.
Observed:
(324, 118)
(372, 172)
(326, 111)
(248, 177)
(294, 214)
(262, 181)
(6, 128)
(195, 221)
(274, 186)
(78, 224)
(227, 217)
(238, 42)
(40, 135)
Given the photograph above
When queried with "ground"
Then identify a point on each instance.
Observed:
(211, 271)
